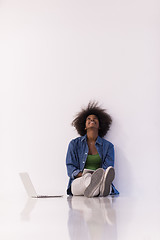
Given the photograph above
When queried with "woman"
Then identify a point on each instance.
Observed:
(90, 158)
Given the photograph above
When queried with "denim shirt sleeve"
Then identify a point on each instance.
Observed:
(109, 157)
(72, 161)
(109, 161)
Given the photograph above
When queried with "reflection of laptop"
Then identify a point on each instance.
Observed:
(30, 188)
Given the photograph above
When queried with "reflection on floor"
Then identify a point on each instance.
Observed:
(94, 218)
(75, 218)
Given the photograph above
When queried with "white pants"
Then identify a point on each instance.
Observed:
(79, 185)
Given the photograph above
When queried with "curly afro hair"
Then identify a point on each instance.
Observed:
(104, 118)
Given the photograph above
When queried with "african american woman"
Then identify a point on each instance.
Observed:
(90, 157)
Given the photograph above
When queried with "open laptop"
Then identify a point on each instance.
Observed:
(30, 188)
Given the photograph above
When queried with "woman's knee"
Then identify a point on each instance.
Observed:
(79, 185)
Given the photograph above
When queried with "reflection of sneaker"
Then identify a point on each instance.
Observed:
(96, 180)
(107, 180)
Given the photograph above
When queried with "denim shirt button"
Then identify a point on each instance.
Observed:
(83, 162)
(85, 153)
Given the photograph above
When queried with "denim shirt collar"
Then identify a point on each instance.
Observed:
(99, 139)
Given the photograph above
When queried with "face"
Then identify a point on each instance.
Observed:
(92, 122)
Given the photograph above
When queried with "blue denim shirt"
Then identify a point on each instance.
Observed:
(77, 154)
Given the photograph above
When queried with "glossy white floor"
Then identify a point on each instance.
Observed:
(73, 218)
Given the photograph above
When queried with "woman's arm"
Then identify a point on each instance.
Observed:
(72, 162)
(109, 157)
(79, 175)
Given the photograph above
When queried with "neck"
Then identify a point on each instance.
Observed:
(92, 135)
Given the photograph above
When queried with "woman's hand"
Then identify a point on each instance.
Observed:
(79, 175)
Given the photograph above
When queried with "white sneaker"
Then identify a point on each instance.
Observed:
(106, 183)
(96, 179)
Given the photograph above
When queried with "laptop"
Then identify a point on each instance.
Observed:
(30, 188)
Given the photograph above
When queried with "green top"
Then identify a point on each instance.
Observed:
(93, 162)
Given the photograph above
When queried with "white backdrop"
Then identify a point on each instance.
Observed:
(57, 55)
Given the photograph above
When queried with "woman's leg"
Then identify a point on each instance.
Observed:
(80, 184)
(93, 188)
(105, 187)
(96, 184)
